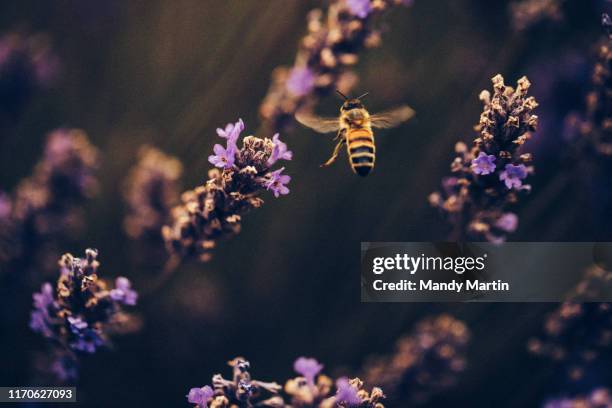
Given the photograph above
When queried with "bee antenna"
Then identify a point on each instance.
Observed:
(341, 94)
(363, 96)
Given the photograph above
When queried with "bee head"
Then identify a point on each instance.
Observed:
(351, 104)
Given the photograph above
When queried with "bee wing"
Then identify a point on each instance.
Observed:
(392, 117)
(318, 124)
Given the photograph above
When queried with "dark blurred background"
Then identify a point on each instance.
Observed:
(168, 73)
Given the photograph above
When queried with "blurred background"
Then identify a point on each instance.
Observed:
(169, 73)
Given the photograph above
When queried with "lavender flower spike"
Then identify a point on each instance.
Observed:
(151, 190)
(473, 204)
(214, 210)
(336, 35)
(79, 313)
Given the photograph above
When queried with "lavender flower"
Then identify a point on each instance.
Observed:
(484, 164)
(346, 393)
(309, 368)
(324, 58)
(244, 392)
(508, 222)
(224, 157)
(598, 398)
(489, 177)
(79, 313)
(47, 202)
(424, 362)
(200, 396)
(512, 175)
(214, 210)
(276, 182)
(123, 292)
(150, 192)
(595, 124)
(580, 329)
(359, 8)
(279, 152)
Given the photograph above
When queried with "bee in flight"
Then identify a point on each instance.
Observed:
(354, 128)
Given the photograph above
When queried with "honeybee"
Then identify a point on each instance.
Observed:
(354, 128)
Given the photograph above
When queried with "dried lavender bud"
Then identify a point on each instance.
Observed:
(80, 313)
(151, 190)
(489, 177)
(335, 37)
(598, 398)
(527, 13)
(27, 63)
(213, 210)
(425, 362)
(47, 202)
(579, 330)
(314, 390)
(595, 125)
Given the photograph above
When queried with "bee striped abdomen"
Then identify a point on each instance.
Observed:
(361, 150)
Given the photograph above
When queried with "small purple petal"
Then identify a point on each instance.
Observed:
(359, 8)
(512, 175)
(507, 222)
(309, 368)
(346, 394)
(276, 182)
(484, 164)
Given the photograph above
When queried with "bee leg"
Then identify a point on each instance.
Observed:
(335, 154)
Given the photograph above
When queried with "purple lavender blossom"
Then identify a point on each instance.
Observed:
(280, 151)
(512, 175)
(473, 204)
(231, 132)
(276, 182)
(309, 368)
(224, 157)
(359, 8)
(229, 192)
(78, 314)
(123, 292)
(300, 82)
(483, 164)
(336, 35)
(508, 222)
(346, 393)
(241, 390)
(200, 396)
